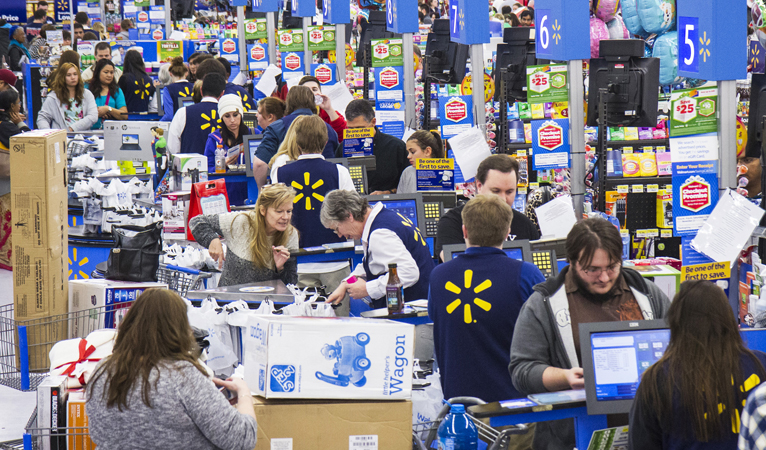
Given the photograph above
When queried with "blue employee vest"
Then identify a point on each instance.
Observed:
(247, 101)
(201, 120)
(416, 245)
(182, 89)
(139, 93)
(312, 179)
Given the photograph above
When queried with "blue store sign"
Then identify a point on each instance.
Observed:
(562, 29)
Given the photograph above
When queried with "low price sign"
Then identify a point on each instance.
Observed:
(255, 29)
(321, 38)
(550, 144)
(547, 84)
(693, 111)
(291, 40)
(387, 52)
(435, 174)
(357, 142)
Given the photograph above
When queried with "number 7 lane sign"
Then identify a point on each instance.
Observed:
(563, 30)
(469, 22)
(705, 41)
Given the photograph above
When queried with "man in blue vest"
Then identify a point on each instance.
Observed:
(193, 124)
(474, 301)
(312, 177)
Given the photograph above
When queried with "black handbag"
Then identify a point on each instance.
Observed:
(136, 253)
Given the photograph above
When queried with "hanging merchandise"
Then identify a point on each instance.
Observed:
(598, 33)
(759, 20)
(666, 49)
(617, 29)
(631, 18)
(657, 16)
(466, 86)
(606, 10)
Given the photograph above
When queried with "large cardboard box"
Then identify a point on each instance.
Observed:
(339, 358)
(40, 236)
(182, 164)
(77, 423)
(322, 425)
(115, 296)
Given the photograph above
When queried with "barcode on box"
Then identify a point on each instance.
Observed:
(366, 442)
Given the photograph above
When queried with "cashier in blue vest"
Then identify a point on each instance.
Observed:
(312, 177)
(192, 125)
(387, 238)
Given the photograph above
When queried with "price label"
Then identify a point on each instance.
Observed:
(623, 189)
(665, 233)
(652, 232)
(638, 189)
(534, 185)
(627, 150)
(521, 153)
(651, 188)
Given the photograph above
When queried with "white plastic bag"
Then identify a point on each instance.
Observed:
(221, 355)
(427, 403)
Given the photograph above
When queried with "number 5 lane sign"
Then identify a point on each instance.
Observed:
(563, 30)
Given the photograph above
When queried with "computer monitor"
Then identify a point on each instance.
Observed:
(375, 29)
(447, 59)
(408, 205)
(183, 102)
(614, 356)
(516, 53)
(129, 140)
(632, 83)
(518, 250)
(250, 145)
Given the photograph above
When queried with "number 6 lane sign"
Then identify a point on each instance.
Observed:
(563, 30)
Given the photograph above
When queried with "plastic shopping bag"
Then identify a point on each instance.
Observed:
(427, 403)
(221, 357)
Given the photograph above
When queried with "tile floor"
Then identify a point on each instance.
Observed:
(15, 406)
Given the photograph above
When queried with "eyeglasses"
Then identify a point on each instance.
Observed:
(597, 271)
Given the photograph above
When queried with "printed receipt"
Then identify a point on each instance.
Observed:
(470, 148)
(556, 218)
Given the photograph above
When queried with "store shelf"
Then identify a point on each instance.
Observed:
(638, 143)
(630, 181)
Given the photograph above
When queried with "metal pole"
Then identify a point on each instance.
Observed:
(271, 29)
(340, 52)
(169, 22)
(102, 12)
(71, 20)
(477, 82)
(241, 40)
(307, 54)
(727, 128)
(410, 120)
(577, 136)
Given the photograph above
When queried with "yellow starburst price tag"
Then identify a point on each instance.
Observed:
(466, 87)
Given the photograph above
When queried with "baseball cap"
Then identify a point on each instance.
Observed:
(8, 77)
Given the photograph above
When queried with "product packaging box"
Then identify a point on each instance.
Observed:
(77, 422)
(175, 209)
(116, 296)
(333, 424)
(40, 235)
(51, 414)
(665, 208)
(182, 164)
(338, 358)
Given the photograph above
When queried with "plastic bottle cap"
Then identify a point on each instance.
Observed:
(457, 409)
(392, 266)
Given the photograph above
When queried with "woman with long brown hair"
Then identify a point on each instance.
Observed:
(692, 396)
(152, 392)
(258, 242)
(69, 106)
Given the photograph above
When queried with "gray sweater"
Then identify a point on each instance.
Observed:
(52, 114)
(537, 345)
(239, 267)
(188, 412)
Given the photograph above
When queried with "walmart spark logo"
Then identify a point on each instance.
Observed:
(212, 123)
(73, 260)
(556, 31)
(467, 283)
(755, 56)
(305, 185)
(704, 51)
(143, 91)
(245, 102)
(408, 223)
(462, 19)
(184, 92)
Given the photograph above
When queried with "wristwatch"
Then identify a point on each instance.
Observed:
(110, 108)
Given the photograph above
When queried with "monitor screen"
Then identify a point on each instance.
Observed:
(253, 147)
(187, 102)
(621, 357)
(130, 139)
(407, 208)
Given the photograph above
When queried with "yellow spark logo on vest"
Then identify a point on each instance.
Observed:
(244, 101)
(467, 283)
(212, 122)
(408, 223)
(184, 92)
(305, 185)
(143, 90)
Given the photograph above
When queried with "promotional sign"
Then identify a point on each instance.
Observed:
(357, 142)
(389, 92)
(710, 271)
(704, 47)
(143, 19)
(291, 40)
(257, 56)
(60, 8)
(321, 38)
(325, 73)
(142, 3)
(255, 29)
(435, 174)
(292, 62)
(394, 128)
(695, 194)
(693, 111)
(401, 16)
(455, 115)
(266, 5)
(167, 50)
(158, 35)
(550, 144)
(562, 30)
(156, 15)
(387, 52)
(547, 84)
(228, 49)
(469, 22)
(336, 11)
(303, 8)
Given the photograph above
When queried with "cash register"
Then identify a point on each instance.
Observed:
(357, 166)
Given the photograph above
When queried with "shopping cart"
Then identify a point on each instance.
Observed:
(424, 434)
(181, 279)
(25, 344)
(36, 437)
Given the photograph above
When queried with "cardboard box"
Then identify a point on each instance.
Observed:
(315, 425)
(85, 295)
(51, 415)
(339, 358)
(182, 164)
(76, 417)
(175, 212)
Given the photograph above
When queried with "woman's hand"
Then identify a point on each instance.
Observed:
(216, 252)
(281, 255)
(232, 159)
(15, 118)
(338, 294)
(103, 112)
(358, 290)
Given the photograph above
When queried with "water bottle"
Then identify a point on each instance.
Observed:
(220, 159)
(457, 431)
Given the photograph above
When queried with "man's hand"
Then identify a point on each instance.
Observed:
(557, 379)
(358, 290)
(338, 294)
(575, 378)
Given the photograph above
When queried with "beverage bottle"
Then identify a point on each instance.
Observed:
(457, 431)
(394, 294)
(220, 159)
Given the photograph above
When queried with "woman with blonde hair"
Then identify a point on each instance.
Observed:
(152, 392)
(258, 242)
(69, 106)
(288, 149)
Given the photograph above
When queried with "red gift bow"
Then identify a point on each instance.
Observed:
(84, 351)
